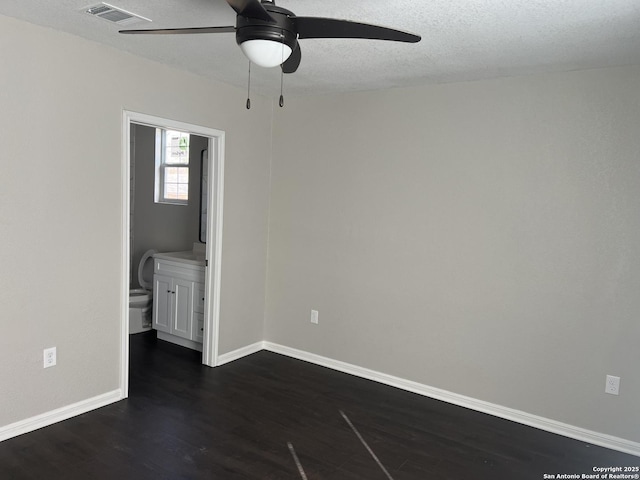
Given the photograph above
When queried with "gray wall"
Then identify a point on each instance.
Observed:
(61, 106)
(161, 226)
(482, 238)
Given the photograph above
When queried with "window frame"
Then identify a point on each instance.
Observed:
(161, 165)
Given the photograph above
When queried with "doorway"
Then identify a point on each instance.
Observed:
(213, 248)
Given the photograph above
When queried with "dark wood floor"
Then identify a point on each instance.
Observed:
(186, 421)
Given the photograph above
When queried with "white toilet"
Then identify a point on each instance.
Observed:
(140, 298)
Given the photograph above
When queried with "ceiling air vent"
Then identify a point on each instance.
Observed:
(115, 15)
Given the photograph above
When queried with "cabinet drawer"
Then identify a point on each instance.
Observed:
(198, 299)
(175, 269)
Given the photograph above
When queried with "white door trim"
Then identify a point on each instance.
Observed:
(214, 235)
(213, 274)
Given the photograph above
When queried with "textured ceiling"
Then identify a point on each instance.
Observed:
(461, 39)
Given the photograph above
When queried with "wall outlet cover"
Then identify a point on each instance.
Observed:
(49, 357)
(613, 385)
(314, 316)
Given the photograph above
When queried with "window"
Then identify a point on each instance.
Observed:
(172, 167)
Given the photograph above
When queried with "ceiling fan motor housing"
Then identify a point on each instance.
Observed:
(282, 29)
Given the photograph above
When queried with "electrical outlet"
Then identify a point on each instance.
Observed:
(49, 357)
(613, 385)
(314, 316)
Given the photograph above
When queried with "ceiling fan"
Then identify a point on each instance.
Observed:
(268, 35)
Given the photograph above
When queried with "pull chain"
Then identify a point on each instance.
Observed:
(249, 88)
(281, 102)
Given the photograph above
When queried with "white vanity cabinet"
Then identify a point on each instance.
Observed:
(178, 299)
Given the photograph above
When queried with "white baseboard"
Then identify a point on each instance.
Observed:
(55, 416)
(542, 423)
(239, 353)
(183, 342)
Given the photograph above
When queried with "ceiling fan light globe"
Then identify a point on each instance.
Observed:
(266, 53)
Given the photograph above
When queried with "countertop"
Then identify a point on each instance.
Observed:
(187, 256)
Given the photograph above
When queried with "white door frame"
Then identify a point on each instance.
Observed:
(214, 235)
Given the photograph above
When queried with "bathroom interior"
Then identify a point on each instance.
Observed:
(167, 240)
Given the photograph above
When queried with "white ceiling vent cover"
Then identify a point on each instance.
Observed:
(114, 14)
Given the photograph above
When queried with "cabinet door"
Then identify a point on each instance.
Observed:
(162, 297)
(198, 298)
(183, 308)
(198, 327)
